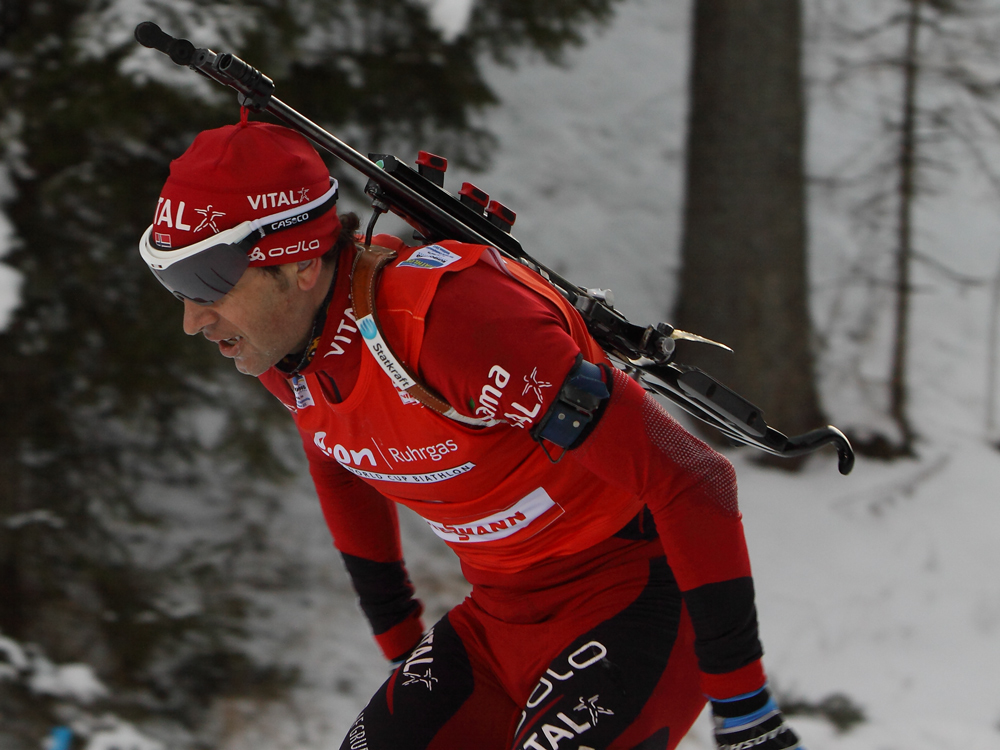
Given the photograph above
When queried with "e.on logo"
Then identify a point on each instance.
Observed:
(341, 454)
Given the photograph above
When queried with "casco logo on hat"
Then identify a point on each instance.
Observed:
(241, 172)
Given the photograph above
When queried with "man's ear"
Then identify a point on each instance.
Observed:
(307, 273)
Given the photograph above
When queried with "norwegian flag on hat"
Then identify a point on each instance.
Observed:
(241, 172)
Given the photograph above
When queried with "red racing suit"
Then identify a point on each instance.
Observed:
(497, 342)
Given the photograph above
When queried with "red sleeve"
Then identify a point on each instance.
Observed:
(365, 529)
(691, 491)
(362, 521)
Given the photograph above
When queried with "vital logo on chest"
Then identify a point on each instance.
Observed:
(342, 337)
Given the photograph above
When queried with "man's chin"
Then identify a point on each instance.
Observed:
(248, 359)
(251, 367)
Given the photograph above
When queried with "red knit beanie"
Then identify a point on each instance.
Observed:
(240, 172)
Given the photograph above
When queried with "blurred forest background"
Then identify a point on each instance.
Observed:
(111, 418)
(108, 414)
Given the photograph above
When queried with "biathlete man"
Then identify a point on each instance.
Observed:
(611, 588)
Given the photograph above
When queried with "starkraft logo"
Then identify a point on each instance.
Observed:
(276, 252)
(283, 198)
(383, 356)
(368, 328)
(391, 366)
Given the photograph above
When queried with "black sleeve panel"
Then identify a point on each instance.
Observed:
(725, 620)
(384, 590)
(642, 527)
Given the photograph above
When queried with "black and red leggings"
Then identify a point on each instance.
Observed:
(601, 659)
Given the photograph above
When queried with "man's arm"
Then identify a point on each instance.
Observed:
(365, 530)
(691, 491)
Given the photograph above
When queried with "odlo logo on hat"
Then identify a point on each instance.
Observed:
(301, 250)
(242, 172)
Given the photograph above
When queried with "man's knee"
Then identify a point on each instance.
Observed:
(419, 698)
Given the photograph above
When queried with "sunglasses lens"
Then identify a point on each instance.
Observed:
(207, 276)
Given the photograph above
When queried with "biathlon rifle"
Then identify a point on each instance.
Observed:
(418, 197)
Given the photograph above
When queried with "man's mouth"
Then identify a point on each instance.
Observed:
(230, 347)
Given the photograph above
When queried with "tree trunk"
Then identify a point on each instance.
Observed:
(744, 248)
(904, 229)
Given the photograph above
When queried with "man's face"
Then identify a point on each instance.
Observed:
(261, 319)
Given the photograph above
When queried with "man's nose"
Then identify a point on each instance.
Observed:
(197, 317)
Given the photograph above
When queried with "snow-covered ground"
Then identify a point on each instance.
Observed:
(877, 586)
